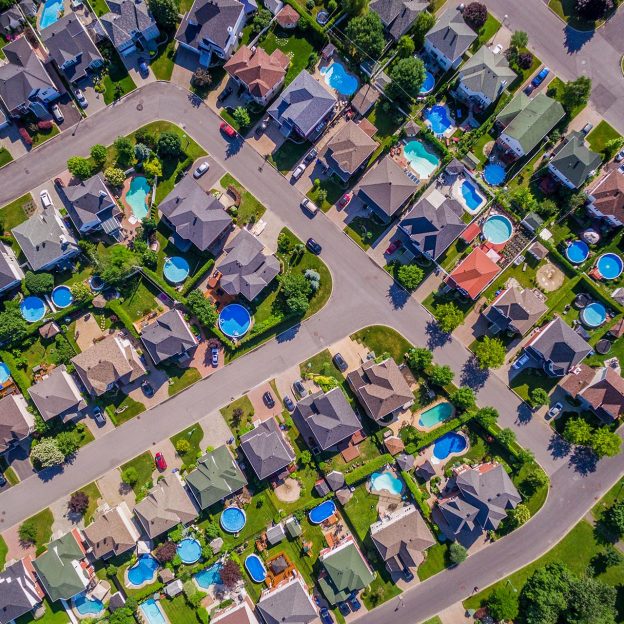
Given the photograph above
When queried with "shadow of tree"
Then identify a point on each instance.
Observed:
(583, 460)
(574, 40)
(472, 375)
(436, 338)
(558, 447)
(398, 296)
(525, 415)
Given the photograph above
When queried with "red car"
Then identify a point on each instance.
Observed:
(228, 130)
(393, 246)
(343, 202)
(161, 464)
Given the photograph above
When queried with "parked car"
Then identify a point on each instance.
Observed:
(148, 389)
(340, 363)
(354, 603)
(58, 182)
(143, 68)
(343, 607)
(80, 97)
(199, 172)
(3, 482)
(309, 206)
(497, 49)
(587, 128)
(393, 246)
(344, 201)
(537, 81)
(98, 416)
(224, 94)
(298, 172)
(214, 357)
(554, 411)
(57, 114)
(289, 404)
(326, 617)
(268, 399)
(310, 156)
(299, 388)
(528, 89)
(46, 200)
(619, 157)
(408, 576)
(313, 246)
(227, 130)
(161, 463)
(521, 361)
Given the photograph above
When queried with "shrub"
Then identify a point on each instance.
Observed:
(241, 116)
(28, 532)
(457, 553)
(79, 167)
(114, 176)
(182, 446)
(476, 15)
(130, 476)
(169, 145)
(78, 503)
(201, 79)
(230, 574)
(25, 136)
(538, 397)
(165, 552)
(46, 453)
(38, 283)
(525, 60)
(99, 154)
(373, 465)
(44, 124)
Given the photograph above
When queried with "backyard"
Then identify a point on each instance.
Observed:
(294, 44)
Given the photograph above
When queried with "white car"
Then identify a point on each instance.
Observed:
(56, 113)
(45, 199)
(199, 172)
(497, 49)
(521, 361)
(554, 411)
(298, 172)
(80, 96)
(309, 206)
(619, 156)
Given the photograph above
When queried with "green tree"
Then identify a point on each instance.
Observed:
(122, 616)
(538, 397)
(124, 150)
(590, 601)
(614, 518)
(169, 145)
(490, 352)
(241, 116)
(153, 168)
(441, 375)
(28, 532)
(202, 308)
(182, 446)
(305, 458)
(519, 40)
(506, 437)
(463, 398)
(449, 316)
(81, 292)
(117, 265)
(576, 93)
(67, 442)
(142, 152)
(577, 431)
(366, 33)
(519, 516)
(356, 7)
(523, 199)
(46, 453)
(612, 147)
(535, 479)
(295, 292)
(419, 359)
(80, 167)
(98, 154)
(547, 208)
(487, 416)
(114, 176)
(13, 327)
(405, 46)
(502, 605)
(407, 76)
(38, 283)
(165, 13)
(261, 20)
(424, 22)
(605, 443)
(544, 596)
(410, 275)
(130, 476)
(457, 553)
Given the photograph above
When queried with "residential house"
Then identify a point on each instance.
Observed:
(91, 207)
(606, 198)
(287, 17)
(45, 240)
(107, 364)
(63, 569)
(484, 76)
(324, 419)
(598, 389)
(480, 499)
(526, 122)
(385, 188)
(348, 151)
(275, 6)
(365, 99)
(287, 602)
(402, 537)
(16, 422)
(216, 477)
(473, 274)
(11, 21)
(573, 162)
(130, 26)
(303, 107)
(433, 224)
(238, 613)
(260, 73)
(515, 310)
(169, 336)
(58, 396)
(266, 449)
(381, 388)
(71, 48)
(25, 86)
(558, 348)
(211, 29)
(20, 592)
(344, 571)
(167, 505)
(246, 268)
(449, 39)
(11, 273)
(112, 533)
(398, 16)
(195, 216)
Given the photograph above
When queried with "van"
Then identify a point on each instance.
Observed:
(310, 207)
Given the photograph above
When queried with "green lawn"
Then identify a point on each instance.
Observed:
(321, 364)
(193, 435)
(43, 522)
(387, 123)
(120, 407)
(295, 45)
(601, 135)
(41, 136)
(238, 424)
(334, 193)
(178, 610)
(285, 157)
(144, 465)
(565, 10)
(93, 492)
(162, 64)
(486, 32)
(54, 614)
(555, 90)
(13, 214)
(365, 231)
(4, 549)
(180, 378)
(5, 157)
(531, 378)
(116, 79)
(361, 511)
(99, 7)
(250, 209)
(612, 496)
(434, 620)
(436, 559)
(381, 339)
(523, 74)
(139, 298)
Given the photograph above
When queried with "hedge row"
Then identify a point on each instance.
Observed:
(412, 486)
(18, 375)
(359, 474)
(199, 274)
(426, 440)
(116, 307)
(320, 37)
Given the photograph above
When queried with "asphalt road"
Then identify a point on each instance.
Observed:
(363, 294)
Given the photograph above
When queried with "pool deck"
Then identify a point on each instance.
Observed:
(66, 9)
(129, 223)
(456, 192)
(418, 414)
(334, 58)
(442, 462)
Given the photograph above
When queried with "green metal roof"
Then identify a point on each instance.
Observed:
(575, 160)
(347, 571)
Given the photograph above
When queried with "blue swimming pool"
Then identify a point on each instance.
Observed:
(577, 251)
(189, 550)
(321, 512)
(136, 197)
(472, 197)
(497, 229)
(233, 519)
(423, 162)
(449, 443)
(62, 296)
(176, 269)
(594, 315)
(51, 12)
(439, 119)
(234, 320)
(435, 415)
(385, 481)
(87, 606)
(209, 576)
(143, 570)
(33, 309)
(494, 174)
(428, 84)
(338, 78)
(152, 613)
(5, 373)
(610, 266)
(256, 569)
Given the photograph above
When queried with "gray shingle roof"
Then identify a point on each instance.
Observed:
(11, 19)
(287, 604)
(349, 148)
(516, 306)
(574, 160)
(15, 420)
(266, 449)
(19, 591)
(90, 199)
(209, 20)
(451, 35)
(167, 336)
(398, 15)
(57, 395)
(486, 73)
(125, 18)
(10, 272)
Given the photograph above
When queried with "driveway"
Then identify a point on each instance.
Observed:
(18, 459)
(261, 410)
(95, 100)
(352, 351)
(11, 140)
(132, 62)
(184, 66)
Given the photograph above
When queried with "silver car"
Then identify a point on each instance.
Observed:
(56, 113)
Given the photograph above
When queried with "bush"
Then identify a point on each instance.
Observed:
(476, 15)
(44, 125)
(525, 60)
(201, 78)
(38, 283)
(25, 136)
(241, 116)
(78, 503)
(261, 20)
(114, 176)
(410, 275)
(28, 532)
(373, 465)
(230, 574)
(124, 150)
(99, 154)
(202, 308)
(169, 145)
(130, 476)
(79, 167)
(502, 605)
(165, 552)
(182, 446)
(593, 9)
(46, 453)
(457, 553)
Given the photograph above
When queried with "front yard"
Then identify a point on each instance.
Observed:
(381, 339)
(601, 135)
(143, 467)
(365, 231)
(250, 209)
(115, 79)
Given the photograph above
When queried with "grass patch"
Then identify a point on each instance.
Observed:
(523, 74)
(43, 524)
(387, 123)
(54, 614)
(120, 407)
(144, 466)
(179, 611)
(361, 511)
(555, 90)
(99, 7)
(334, 193)
(193, 435)
(250, 209)
(531, 378)
(116, 79)
(41, 136)
(13, 214)
(293, 44)
(5, 157)
(288, 154)
(601, 135)
(180, 378)
(93, 492)
(237, 422)
(4, 549)
(565, 10)
(608, 500)
(139, 299)
(436, 559)
(365, 231)
(163, 62)
(486, 32)
(381, 339)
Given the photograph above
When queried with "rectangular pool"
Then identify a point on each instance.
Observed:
(51, 12)
(152, 613)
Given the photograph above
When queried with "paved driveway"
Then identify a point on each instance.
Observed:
(261, 410)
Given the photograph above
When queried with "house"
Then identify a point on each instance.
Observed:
(381, 388)
(287, 602)
(169, 336)
(58, 396)
(598, 389)
(91, 207)
(167, 505)
(344, 571)
(287, 17)
(16, 422)
(25, 86)
(385, 188)
(433, 224)
(11, 273)
(303, 107)
(246, 269)
(573, 162)
(365, 99)
(128, 24)
(112, 533)
(260, 73)
(325, 418)
(45, 240)
(11, 21)
(211, 29)
(402, 537)
(449, 39)
(479, 502)
(275, 6)
(216, 477)
(558, 348)
(348, 151)
(515, 310)
(239, 613)
(62, 569)
(20, 591)
(195, 216)
(526, 122)
(266, 449)
(474, 273)
(275, 534)
(107, 364)
(398, 16)
(71, 48)
(606, 198)
(484, 76)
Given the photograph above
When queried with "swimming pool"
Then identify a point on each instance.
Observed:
(472, 198)
(494, 174)
(143, 570)
(136, 196)
(62, 296)
(233, 519)
(33, 309)
(428, 84)
(594, 315)
(435, 415)
(209, 576)
(189, 550)
(439, 119)
(450, 442)
(176, 269)
(151, 611)
(610, 266)
(96, 283)
(338, 78)
(423, 162)
(5, 373)
(256, 569)
(321, 512)
(385, 481)
(497, 229)
(50, 13)
(577, 251)
(234, 320)
(87, 606)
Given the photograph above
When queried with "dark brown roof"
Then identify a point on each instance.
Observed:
(608, 194)
(606, 393)
(287, 17)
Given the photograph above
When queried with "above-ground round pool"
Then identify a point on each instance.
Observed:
(143, 571)
(209, 576)
(577, 251)
(233, 519)
(234, 320)
(33, 309)
(423, 162)
(136, 196)
(449, 443)
(494, 174)
(497, 229)
(472, 197)
(338, 78)
(87, 606)
(62, 296)
(189, 550)
(380, 481)
(176, 269)
(5, 373)
(610, 266)
(428, 83)
(255, 568)
(439, 119)
(436, 415)
(321, 512)
(594, 315)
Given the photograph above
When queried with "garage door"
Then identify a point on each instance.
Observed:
(129, 51)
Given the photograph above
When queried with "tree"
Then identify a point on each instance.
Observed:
(577, 431)
(424, 22)
(67, 442)
(476, 14)
(419, 359)
(124, 615)
(28, 532)
(366, 32)
(165, 13)
(506, 437)
(114, 176)
(614, 518)
(457, 553)
(410, 275)
(547, 208)
(356, 7)
(153, 168)
(182, 446)
(78, 503)
(211, 530)
(241, 116)
(538, 397)
(535, 479)
(544, 596)
(201, 78)
(295, 291)
(312, 60)
(13, 327)
(449, 317)
(117, 265)
(576, 93)
(79, 167)
(305, 458)
(124, 150)
(81, 292)
(130, 476)
(463, 398)
(169, 145)
(502, 604)
(405, 46)
(487, 416)
(519, 40)
(525, 59)
(523, 199)
(46, 453)
(261, 20)
(407, 76)
(590, 601)
(166, 552)
(202, 308)
(142, 152)
(98, 154)
(519, 516)
(38, 283)
(593, 10)
(441, 375)
(612, 147)
(230, 574)
(605, 443)
(490, 352)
